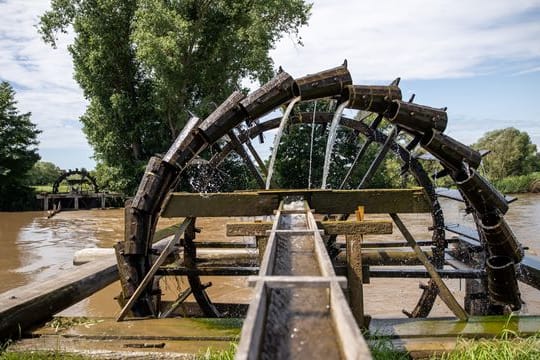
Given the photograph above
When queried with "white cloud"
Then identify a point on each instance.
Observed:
(415, 39)
(383, 39)
(42, 77)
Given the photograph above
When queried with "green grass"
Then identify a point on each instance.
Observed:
(383, 349)
(214, 354)
(63, 188)
(506, 347)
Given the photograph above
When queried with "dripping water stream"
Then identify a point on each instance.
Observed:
(277, 140)
(331, 140)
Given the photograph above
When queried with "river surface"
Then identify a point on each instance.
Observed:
(34, 248)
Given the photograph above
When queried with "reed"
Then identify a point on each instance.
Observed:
(507, 346)
(214, 354)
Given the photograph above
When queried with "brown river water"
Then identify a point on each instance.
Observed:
(35, 248)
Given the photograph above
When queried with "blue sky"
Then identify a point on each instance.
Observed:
(479, 58)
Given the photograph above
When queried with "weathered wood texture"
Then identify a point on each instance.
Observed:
(354, 277)
(155, 267)
(35, 303)
(329, 227)
(323, 201)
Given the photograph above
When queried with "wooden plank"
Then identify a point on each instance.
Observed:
(219, 205)
(248, 228)
(104, 338)
(384, 272)
(330, 227)
(295, 281)
(353, 344)
(463, 230)
(373, 201)
(323, 201)
(364, 227)
(454, 194)
(475, 327)
(35, 303)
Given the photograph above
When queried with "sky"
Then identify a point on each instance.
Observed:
(480, 58)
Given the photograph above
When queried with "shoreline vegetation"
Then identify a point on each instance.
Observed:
(521, 184)
(529, 183)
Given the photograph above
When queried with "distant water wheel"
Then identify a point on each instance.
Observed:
(534, 187)
(75, 181)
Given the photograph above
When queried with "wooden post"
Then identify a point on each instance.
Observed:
(261, 245)
(354, 274)
(155, 267)
(76, 202)
(45, 202)
(257, 158)
(476, 301)
(444, 293)
(103, 201)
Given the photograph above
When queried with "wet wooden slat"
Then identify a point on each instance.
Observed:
(330, 227)
(323, 201)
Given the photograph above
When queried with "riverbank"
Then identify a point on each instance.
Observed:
(507, 345)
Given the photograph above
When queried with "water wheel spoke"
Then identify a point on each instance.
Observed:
(381, 155)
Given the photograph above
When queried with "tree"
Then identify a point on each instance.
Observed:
(43, 173)
(143, 63)
(18, 151)
(292, 166)
(120, 122)
(512, 153)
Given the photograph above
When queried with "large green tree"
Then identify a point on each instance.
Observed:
(292, 168)
(143, 64)
(120, 122)
(512, 153)
(43, 173)
(18, 151)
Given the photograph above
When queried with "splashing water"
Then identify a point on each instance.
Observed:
(331, 140)
(204, 178)
(277, 140)
(311, 144)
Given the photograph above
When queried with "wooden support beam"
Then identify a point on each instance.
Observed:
(380, 201)
(444, 292)
(296, 281)
(219, 205)
(257, 158)
(354, 276)
(239, 148)
(330, 227)
(29, 305)
(155, 267)
(323, 201)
